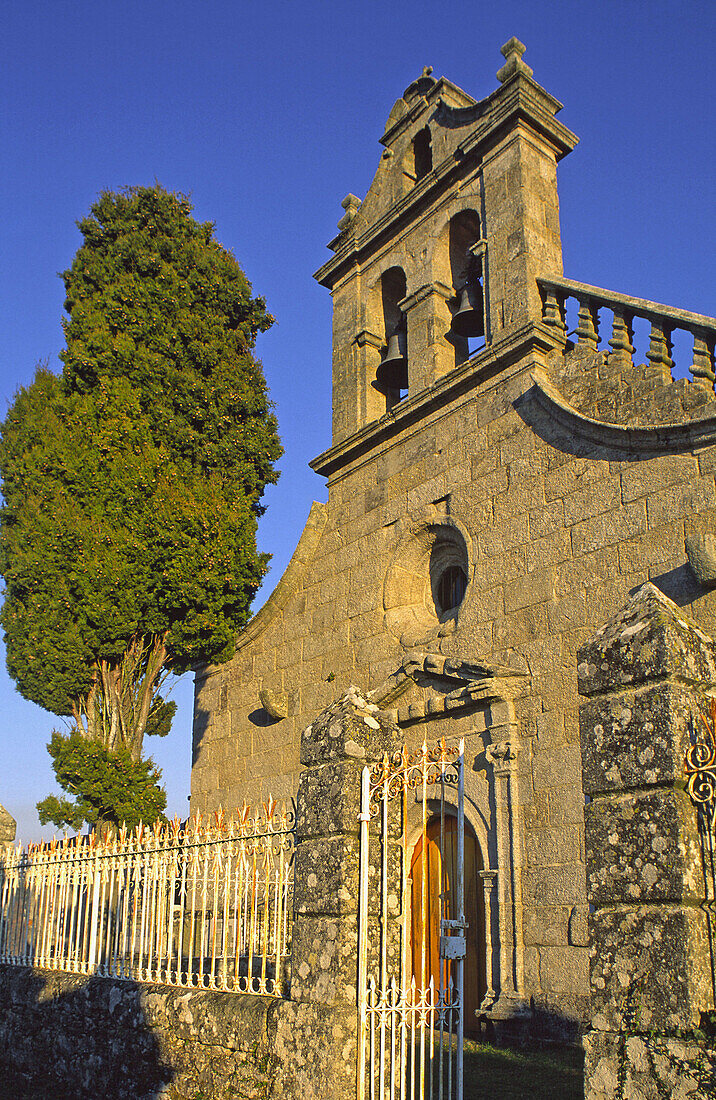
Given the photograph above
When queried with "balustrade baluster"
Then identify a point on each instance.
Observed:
(702, 367)
(659, 353)
(622, 337)
(588, 326)
(663, 319)
(553, 312)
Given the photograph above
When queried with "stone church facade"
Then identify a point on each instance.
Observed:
(503, 472)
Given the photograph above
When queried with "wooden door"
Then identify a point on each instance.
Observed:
(425, 930)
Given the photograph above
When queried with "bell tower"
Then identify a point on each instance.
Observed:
(435, 270)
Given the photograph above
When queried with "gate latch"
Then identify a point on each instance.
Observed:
(452, 947)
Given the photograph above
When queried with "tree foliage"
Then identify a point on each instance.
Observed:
(108, 788)
(132, 483)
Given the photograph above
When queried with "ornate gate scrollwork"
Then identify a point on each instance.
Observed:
(700, 771)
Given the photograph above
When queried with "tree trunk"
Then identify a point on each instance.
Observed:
(116, 708)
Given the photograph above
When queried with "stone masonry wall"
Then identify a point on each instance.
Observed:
(553, 525)
(644, 679)
(76, 1038)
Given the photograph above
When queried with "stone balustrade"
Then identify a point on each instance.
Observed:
(664, 320)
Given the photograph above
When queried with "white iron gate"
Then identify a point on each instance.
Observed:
(411, 938)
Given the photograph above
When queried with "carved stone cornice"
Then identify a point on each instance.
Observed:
(502, 355)
(474, 682)
(662, 438)
(365, 337)
(426, 291)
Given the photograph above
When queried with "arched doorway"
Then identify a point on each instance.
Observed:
(425, 927)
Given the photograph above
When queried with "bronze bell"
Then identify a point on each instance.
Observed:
(469, 317)
(392, 374)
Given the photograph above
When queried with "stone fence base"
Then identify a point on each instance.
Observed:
(644, 1066)
(75, 1038)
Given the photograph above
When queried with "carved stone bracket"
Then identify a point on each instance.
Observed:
(502, 756)
(279, 704)
(370, 339)
(701, 552)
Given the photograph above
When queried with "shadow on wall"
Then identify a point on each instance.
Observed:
(543, 1022)
(85, 1042)
(566, 1024)
(201, 725)
(679, 585)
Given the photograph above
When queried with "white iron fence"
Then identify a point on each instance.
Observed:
(205, 904)
(411, 1010)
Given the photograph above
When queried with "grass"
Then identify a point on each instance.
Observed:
(523, 1073)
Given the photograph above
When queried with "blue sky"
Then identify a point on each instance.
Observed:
(267, 114)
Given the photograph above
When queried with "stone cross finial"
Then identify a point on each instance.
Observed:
(512, 52)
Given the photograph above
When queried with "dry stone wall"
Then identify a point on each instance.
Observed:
(76, 1038)
(72, 1037)
(79, 1038)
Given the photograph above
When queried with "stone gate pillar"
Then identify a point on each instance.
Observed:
(643, 678)
(8, 827)
(323, 1025)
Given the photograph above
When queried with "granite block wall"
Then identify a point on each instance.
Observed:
(556, 475)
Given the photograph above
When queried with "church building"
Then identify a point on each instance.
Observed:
(513, 452)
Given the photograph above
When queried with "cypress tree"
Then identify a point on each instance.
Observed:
(132, 483)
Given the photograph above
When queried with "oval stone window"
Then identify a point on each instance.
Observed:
(448, 571)
(426, 582)
(451, 589)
